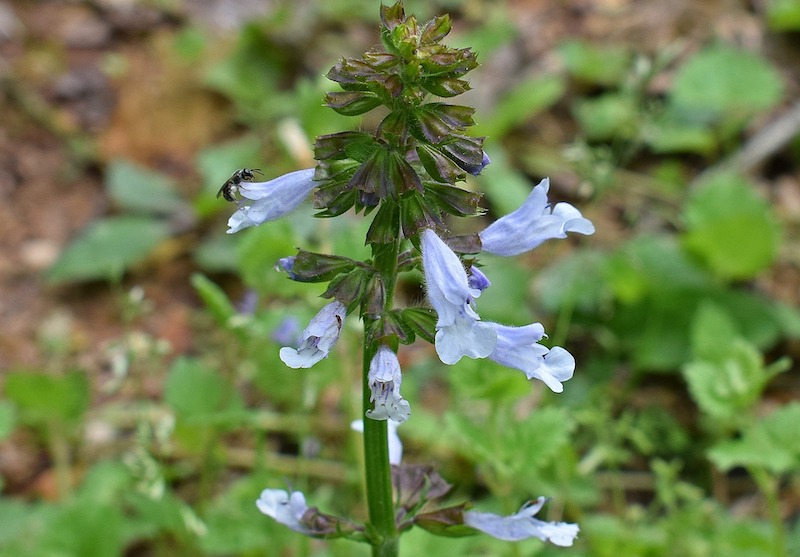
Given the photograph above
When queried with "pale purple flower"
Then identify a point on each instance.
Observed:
(395, 445)
(272, 199)
(384, 380)
(523, 525)
(318, 338)
(533, 223)
(477, 279)
(286, 508)
(459, 330)
(517, 347)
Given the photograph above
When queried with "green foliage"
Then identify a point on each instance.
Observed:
(732, 228)
(107, 248)
(772, 443)
(784, 15)
(720, 80)
(727, 376)
(140, 190)
(595, 64)
(42, 398)
(523, 101)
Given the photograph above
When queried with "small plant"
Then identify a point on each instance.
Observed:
(404, 175)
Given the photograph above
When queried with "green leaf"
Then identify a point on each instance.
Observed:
(603, 65)
(215, 299)
(772, 443)
(196, 391)
(784, 15)
(609, 116)
(107, 248)
(713, 333)
(217, 163)
(731, 227)
(42, 398)
(720, 79)
(138, 189)
(522, 102)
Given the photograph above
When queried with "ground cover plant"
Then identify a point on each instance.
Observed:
(145, 404)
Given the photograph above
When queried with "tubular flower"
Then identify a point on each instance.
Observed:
(272, 199)
(533, 223)
(384, 380)
(517, 347)
(459, 330)
(318, 338)
(522, 525)
(288, 509)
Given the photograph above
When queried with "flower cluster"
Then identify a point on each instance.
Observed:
(405, 175)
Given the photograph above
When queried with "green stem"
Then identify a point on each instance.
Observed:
(376, 440)
(769, 488)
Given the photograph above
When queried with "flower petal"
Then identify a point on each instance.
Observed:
(318, 338)
(288, 509)
(271, 200)
(384, 380)
(522, 525)
(532, 224)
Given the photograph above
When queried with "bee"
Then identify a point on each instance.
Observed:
(230, 188)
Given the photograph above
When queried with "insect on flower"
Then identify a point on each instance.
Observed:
(230, 188)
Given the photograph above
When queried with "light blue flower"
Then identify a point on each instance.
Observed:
(285, 508)
(522, 525)
(318, 338)
(533, 223)
(517, 348)
(459, 330)
(477, 279)
(271, 200)
(384, 381)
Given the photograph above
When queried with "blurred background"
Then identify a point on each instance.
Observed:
(143, 406)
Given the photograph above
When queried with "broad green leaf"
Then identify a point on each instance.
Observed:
(772, 443)
(609, 116)
(604, 65)
(721, 79)
(731, 227)
(713, 333)
(196, 391)
(43, 398)
(107, 248)
(141, 190)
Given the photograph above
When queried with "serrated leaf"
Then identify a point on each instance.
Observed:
(772, 443)
(731, 227)
(107, 248)
(721, 79)
(138, 189)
